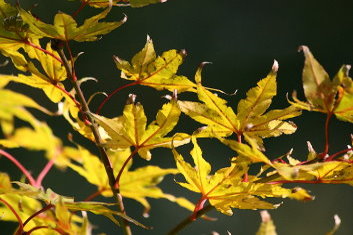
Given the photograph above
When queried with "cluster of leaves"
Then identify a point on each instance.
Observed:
(120, 139)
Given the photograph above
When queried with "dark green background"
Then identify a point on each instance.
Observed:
(241, 39)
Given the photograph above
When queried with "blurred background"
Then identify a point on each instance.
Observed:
(241, 39)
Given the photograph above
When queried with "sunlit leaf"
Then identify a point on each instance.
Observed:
(158, 72)
(65, 27)
(131, 128)
(226, 188)
(13, 104)
(251, 120)
(137, 184)
(331, 96)
(330, 172)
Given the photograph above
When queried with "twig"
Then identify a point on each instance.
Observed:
(20, 166)
(20, 229)
(47, 207)
(98, 140)
(190, 219)
(327, 140)
(44, 172)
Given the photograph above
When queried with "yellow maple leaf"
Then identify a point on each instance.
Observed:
(226, 188)
(131, 128)
(251, 120)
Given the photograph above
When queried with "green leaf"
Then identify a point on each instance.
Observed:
(65, 27)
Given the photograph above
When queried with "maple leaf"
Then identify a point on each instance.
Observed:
(64, 206)
(27, 201)
(48, 78)
(131, 128)
(13, 104)
(132, 3)
(13, 33)
(65, 27)
(329, 172)
(137, 184)
(323, 94)
(158, 72)
(226, 189)
(251, 120)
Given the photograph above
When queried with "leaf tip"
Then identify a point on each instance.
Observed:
(199, 70)
(304, 49)
(116, 59)
(124, 19)
(347, 67)
(310, 147)
(148, 39)
(337, 220)
(183, 53)
(131, 99)
(275, 66)
(265, 216)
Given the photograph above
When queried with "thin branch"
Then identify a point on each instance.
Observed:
(113, 93)
(47, 207)
(327, 139)
(95, 194)
(20, 166)
(331, 157)
(190, 219)
(45, 227)
(20, 229)
(44, 172)
(117, 179)
(98, 140)
(83, 4)
(43, 50)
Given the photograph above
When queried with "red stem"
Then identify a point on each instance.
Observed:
(43, 50)
(95, 194)
(15, 214)
(331, 157)
(296, 181)
(113, 93)
(83, 4)
(47, 227)
(73, 73)
(117, 179)
(20, 166)
(44, 172)
(200, 204)
(327, 140)
(239, 136)
(69, 95)
(47, 207)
